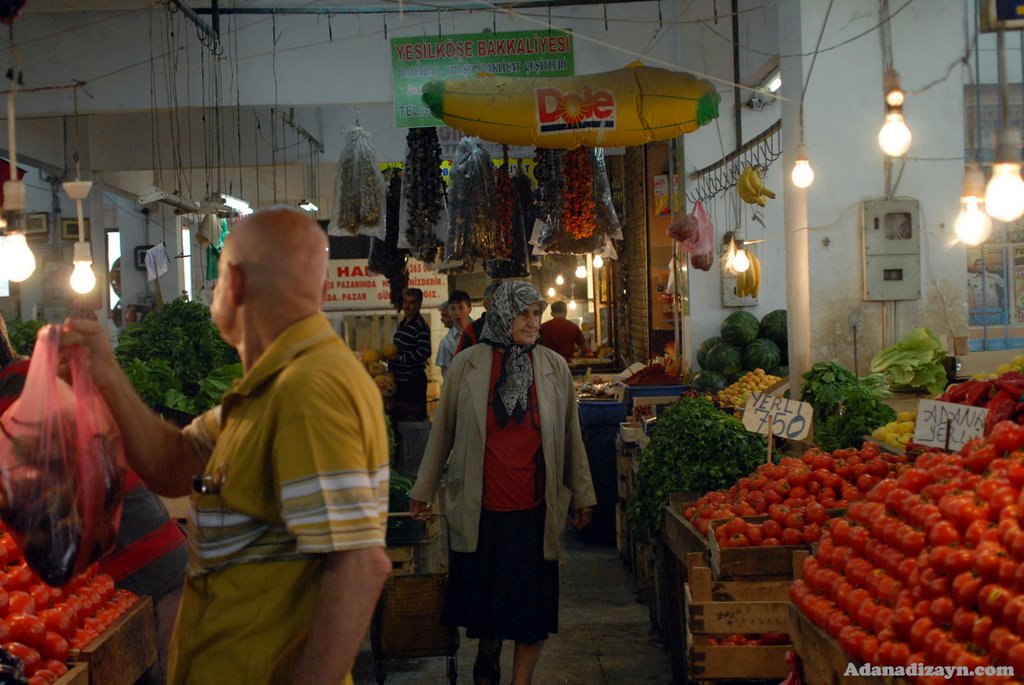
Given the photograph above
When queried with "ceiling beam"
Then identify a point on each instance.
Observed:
(503, 5)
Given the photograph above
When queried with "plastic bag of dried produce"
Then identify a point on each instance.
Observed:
(472, 231)
(61, 467)
(360, 195)
(696, 235)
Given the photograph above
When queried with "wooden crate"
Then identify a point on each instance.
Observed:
(751, 563)
(739, 662)
(125, 650)
(824, 660)
(716, 608)
(78, 674)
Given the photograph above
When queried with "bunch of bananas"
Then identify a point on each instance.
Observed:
(751, 187)
(749, 282)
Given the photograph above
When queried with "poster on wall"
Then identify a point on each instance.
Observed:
(416, 61)
(990, 287)
(351, 286)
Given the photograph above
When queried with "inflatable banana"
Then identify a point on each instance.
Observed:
(630, 106)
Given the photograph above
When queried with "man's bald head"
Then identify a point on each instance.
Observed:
(283, 254)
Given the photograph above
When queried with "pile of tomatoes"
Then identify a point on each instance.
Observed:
(795, 494)
(40, 624)
(929, 568)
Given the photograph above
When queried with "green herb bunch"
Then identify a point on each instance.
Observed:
(846, 408)
(175, 358)
(695, 448)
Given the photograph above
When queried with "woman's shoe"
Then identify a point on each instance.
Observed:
(487, 670)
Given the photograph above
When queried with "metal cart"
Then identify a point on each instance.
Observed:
(406, 621)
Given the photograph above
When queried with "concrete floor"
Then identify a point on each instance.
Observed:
(604, 634)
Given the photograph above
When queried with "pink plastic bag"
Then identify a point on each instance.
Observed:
(696, 235)
(61, 467)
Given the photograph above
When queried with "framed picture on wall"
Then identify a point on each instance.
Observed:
(37, 226)
(69, 229)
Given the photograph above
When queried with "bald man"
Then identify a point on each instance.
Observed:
(288, 476)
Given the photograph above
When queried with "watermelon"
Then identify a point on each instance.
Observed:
(780, 371)
(761, 354)
(702, 351)
(708, 381)
(740, 328)
(774, 327)
(724, 358)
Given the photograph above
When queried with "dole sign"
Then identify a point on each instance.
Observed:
(559, 110)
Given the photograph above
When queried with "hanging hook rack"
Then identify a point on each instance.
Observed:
(761, 150)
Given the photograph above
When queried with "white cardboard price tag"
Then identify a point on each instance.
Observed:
(778, 416)
(962, 421)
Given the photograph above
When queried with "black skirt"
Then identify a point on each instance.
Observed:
(506, 589)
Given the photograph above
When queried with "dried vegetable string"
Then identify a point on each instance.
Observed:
(472, 231)
(578, 211)
(424, 192)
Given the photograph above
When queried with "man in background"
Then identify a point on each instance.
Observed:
(412, 342)
(471, 336)
(459, 307)
(987, 295)
(560, 334)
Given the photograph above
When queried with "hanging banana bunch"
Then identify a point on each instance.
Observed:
(751, 187)
(748, 282)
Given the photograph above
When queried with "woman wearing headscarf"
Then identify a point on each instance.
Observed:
(508, 430)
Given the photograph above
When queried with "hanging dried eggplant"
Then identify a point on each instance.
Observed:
(424, 193)
(385, 256)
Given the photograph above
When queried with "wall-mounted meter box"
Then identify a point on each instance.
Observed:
(892, 250)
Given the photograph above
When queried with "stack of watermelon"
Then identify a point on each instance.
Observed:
(745, 344)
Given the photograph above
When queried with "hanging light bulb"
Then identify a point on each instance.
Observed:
(740, 261)
(559, 280)
(894, 137)
(572, 304)
(83, 279)
(972, 224)
(551, 292)
(1004, 195)
(18, 260)
(598, 261)
(802, 174)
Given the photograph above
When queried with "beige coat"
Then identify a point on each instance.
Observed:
(457, 440)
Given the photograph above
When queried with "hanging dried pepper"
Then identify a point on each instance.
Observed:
(578, 212)
(424, 192)
(503, 208)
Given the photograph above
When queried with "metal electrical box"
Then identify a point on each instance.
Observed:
(892, 250)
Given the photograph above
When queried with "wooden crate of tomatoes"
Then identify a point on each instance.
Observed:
(51, 628)
(736, 629)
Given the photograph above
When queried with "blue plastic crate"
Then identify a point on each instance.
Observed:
(652, 391)
(602, 413)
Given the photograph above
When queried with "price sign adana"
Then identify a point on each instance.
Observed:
(946, 425)
(777, 416)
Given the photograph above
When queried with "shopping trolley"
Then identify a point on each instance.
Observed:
(406, 621)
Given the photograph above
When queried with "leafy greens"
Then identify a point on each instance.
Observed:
(914, 363)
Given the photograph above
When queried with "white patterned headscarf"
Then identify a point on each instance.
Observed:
(512, 391)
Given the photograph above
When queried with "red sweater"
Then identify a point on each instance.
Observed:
(513, 476)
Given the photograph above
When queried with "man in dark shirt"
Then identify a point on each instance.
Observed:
(412, 339)
(560, 334)
(471, 335)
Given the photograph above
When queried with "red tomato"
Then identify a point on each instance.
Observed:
(55, 647)
(57, 621)
(1000, 641)
(1007, 436)
(41, 594)
(771, 529)
(58, 667)
(43, 677)
(982, 630)
(963, 623)
(29, 656)
(943, 533)
(17, 578)
(992, 599)
(20, 602)
(790, 536)
(26, 628)
(942, 609)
